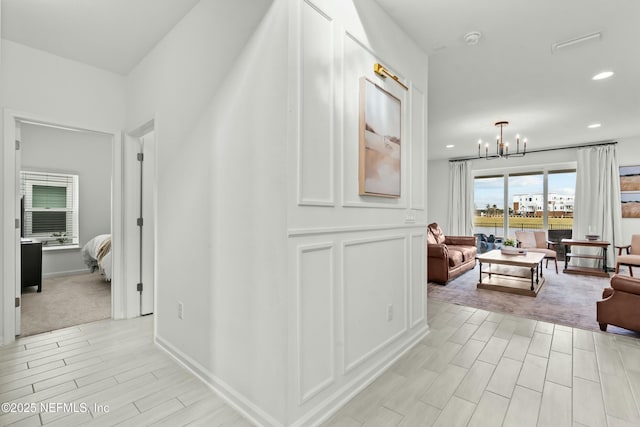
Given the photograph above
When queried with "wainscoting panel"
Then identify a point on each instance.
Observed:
(418, 279)
(315, 319)
(374, 295)
(317, 83)
(418, 144)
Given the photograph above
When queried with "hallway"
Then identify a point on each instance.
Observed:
(111, 373)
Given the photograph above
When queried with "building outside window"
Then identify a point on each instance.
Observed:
(538, 200)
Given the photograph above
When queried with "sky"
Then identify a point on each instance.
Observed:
(629, 170)
(491, 190)
(629, 197)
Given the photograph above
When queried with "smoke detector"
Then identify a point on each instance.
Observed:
(472, 38)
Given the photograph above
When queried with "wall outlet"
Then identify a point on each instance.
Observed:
(180, 310)
(389, 312)
(410, 216)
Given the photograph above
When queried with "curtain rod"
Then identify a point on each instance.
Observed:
(542, 150)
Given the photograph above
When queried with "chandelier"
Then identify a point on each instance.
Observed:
(502, 146)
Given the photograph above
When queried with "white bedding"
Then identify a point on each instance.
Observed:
(97, 255)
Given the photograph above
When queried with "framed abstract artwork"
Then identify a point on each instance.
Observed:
(380, 141)
(630, 191)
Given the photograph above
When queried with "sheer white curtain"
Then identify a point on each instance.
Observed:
(460, 198)
(597, 207)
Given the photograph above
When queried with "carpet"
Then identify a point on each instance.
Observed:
(65, 301)
(565, 299)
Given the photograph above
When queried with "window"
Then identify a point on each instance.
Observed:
(536, 200)
(526, 200)
(50, 207)
(562, 191)
(489, 205)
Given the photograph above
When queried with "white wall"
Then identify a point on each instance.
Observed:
(46, 85)
(220, 126)
(438, 190)
(628, 151)
(88, 155)
(239, 245)
(63, 91)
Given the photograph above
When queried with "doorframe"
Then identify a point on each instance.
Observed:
(119, 300)
(136, 134)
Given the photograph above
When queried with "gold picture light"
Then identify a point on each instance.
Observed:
(383, 72)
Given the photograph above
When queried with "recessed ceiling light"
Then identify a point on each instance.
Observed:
(450, 146)
(594, 125)
(602, 75)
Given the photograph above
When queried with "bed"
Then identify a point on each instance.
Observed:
(97, 255)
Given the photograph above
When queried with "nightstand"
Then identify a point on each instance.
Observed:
(31, 271)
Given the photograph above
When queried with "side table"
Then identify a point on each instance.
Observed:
(601, 272)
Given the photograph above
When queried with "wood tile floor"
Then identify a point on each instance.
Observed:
(475, 368)
(111, 364)
(478, 368)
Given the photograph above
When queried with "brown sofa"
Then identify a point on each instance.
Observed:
(620, 303)
(448, 256)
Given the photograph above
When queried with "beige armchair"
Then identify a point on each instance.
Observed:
(632, 257)
(536, 241)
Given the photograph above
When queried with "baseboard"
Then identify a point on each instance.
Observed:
(65, 273)
(230, 395)
(321, 413)
(326, 409)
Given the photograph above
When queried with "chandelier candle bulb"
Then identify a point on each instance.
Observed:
(502, 146)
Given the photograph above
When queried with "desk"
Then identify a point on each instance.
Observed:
(601, 272)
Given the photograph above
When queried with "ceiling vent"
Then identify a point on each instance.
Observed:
(557, 47)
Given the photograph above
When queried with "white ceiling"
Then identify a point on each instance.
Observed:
(512, 74)
(110, 34)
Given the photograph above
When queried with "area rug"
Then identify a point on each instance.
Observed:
(65, 301)
(565, 299)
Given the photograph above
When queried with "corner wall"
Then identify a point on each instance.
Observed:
(356, 264)
(263, 233)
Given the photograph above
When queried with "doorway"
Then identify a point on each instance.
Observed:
(65, 201)
(12, 210)
(140, 217)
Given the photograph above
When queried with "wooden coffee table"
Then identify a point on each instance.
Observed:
(517, 274)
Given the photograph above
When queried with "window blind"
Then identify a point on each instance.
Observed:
(50, 204)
